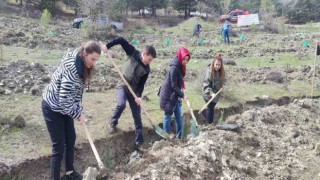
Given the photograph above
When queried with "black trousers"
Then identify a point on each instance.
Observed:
(210, 112)
(122, 96)
(63, 137)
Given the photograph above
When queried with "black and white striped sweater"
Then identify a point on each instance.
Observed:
(64, 93)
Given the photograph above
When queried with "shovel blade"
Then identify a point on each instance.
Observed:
(161, 132)
(194, 129)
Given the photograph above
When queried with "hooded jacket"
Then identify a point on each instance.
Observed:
(211, 84)
(172, 85)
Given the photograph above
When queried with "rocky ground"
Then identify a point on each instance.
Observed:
(274, 142)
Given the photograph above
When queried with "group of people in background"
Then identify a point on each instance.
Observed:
(61, 102)
(224, 32)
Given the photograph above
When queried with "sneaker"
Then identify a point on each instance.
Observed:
(112, 129)
(73, 176)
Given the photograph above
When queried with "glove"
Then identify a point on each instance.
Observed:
(213, 95)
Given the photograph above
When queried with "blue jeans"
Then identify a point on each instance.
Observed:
(178, 116)
(210, 112)
(122, 96)
(226, 36)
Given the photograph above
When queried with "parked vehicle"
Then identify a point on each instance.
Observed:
(101, 21)
(233, 16)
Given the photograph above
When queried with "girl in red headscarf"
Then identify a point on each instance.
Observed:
(171, 91)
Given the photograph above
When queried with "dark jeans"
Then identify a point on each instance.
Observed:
(63, 137)
(210, 112)
(122, 96)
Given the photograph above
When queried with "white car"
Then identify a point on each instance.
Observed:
(101, 21)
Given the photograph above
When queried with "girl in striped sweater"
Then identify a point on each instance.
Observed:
(61, 104)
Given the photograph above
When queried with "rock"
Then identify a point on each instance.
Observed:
(225, 161)
(295, 134)
(317, 149)
(19, 121)
(259, 154)
(35, 91)
(230, 62)
(91, 173)
(213, 156)
(7, 92)
(167, 159)
(275, 77)
(4, 169)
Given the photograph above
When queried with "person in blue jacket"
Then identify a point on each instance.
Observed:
(196, 32)
(136, 71)
(171, 91)
(225, 31)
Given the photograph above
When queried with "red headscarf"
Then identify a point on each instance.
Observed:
(181, 53)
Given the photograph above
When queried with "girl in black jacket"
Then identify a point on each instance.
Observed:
(171, 91)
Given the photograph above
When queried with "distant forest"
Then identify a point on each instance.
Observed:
(293, 11)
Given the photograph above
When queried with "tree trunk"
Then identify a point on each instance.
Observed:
(76, 10)
(54, 7)
(185, 11)
(127, 11)
(154, 11)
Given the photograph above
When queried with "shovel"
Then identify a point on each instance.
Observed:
(206, 105)
(157, 129)
(194, 124)
(103, 169)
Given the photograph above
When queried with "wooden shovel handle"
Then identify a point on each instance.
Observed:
(129, 87)
(95, 152)
(206, 105)
(191, 111)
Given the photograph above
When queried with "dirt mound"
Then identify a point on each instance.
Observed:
(275, 142)
(268, 74)
(25, 33)
(23, 77)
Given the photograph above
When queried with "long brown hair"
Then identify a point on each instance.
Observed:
(221, 70)
(89, 48)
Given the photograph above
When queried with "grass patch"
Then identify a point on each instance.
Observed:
(188, 25)
(43, 56)
(290, 59)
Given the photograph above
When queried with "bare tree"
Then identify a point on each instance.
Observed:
(90, 7)
(287, 4)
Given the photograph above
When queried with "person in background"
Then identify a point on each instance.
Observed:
(61, 104)
(213, 81)
(225, 31)
(196, 32)
(171, 91)
(136, 71)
